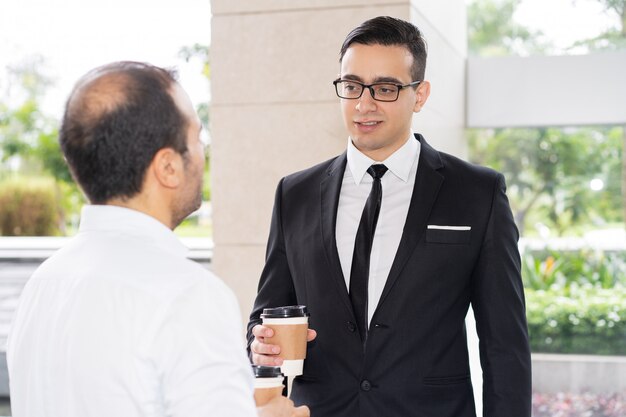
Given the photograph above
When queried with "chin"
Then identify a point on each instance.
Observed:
(367, 143)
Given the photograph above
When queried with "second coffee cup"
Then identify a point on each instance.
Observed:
(290, 325)
(268, 383)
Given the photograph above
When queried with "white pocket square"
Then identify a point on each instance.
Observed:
(439, 227)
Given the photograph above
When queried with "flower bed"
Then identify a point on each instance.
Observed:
(579, 405)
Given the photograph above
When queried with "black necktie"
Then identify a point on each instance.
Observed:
(359, 274)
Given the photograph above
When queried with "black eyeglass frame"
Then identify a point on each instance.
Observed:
(371, 88)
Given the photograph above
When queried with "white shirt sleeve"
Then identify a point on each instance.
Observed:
(199, 354)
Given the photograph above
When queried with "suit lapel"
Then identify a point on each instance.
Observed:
(330, 189)
(427, 184)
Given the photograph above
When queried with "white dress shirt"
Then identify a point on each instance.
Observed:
(120, 323)
(397, 185)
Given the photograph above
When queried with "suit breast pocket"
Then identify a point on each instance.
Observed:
(451, 237)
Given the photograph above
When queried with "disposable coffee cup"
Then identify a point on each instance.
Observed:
(290, 325)
(268, 383)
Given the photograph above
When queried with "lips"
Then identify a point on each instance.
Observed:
(367, 125)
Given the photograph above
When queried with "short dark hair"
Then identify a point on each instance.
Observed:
(385, 30)
(116, 119)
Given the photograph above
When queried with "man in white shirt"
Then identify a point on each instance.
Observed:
(119, 322)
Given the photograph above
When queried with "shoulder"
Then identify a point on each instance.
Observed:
(457, 171)
(307, 178)
(456, 166)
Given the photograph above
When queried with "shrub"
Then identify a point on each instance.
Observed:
(28, 207)
(578, 319)
(545, 270)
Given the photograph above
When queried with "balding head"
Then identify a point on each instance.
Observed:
(116, 119)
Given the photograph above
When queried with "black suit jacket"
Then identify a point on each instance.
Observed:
(415, 360)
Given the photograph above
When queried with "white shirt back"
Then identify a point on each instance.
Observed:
(120, 323)
(397, 185)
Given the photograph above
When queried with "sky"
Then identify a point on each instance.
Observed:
(565, 21)
(75, 36)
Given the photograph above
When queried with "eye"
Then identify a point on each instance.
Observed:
(386, 89)
(348, 86)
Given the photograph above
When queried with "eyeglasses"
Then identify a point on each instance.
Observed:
(353, 90)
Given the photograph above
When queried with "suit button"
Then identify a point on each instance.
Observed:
(365, 385)
(351, 327)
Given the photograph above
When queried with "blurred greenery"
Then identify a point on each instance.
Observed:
(29, 207)
(548, 173)
(29, 148)
(613, 38)
(576, 300)
(201, 52)
(545, 270)
(190, 228)
(581, 319)
(29, 144)
(492, 30)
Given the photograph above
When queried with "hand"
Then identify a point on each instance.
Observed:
(281, 406)
(265, 353)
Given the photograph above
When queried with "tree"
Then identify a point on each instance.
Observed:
(26, 132)
(548, 172)
(612, 39)
(201, 52)
(548, 169)
(492, 31)
(29, 138)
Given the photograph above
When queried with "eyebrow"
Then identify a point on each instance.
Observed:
(392, 80)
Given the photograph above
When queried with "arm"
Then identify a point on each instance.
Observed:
(499, 306)
(275, 286)
(198, 354)
(275, 289)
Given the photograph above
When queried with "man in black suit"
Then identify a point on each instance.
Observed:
(388, 244)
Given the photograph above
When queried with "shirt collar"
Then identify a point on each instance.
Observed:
(399, 162)
(128, 222)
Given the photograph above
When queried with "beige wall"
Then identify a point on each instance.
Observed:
(274, 110)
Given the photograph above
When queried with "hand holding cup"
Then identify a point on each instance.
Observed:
(290, 333)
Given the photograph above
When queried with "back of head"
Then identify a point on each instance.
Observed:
(116, 119)
(390, 31)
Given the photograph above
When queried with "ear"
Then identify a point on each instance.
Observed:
(421, 95)
(167, 168)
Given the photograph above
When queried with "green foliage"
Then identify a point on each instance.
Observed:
(564, 270)
(30, 137)
(582, 319)
(48, 151)
(201, 52)
(25, 132)
(28, 207)
(492, 31)
(548, 171)
(614, 38)
(541, 275)
(576, 301)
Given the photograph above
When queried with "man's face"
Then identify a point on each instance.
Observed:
(190, 197)
(379, 128)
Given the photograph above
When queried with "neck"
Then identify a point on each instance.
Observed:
(143, 204)
(381, 154)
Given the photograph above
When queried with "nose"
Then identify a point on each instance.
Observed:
(366, 102)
